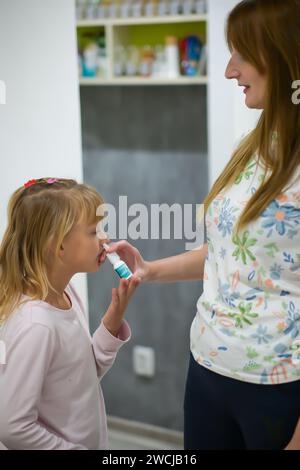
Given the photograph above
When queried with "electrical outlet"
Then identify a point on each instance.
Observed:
(143, 361)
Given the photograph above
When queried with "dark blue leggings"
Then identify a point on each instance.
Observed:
(223, 413)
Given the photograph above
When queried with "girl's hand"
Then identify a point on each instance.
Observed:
(121, 295)
(132, 257)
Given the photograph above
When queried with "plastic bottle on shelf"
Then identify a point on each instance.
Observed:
(137, 8)
(163, 8)
(174, 7)
(102, 10)
(190, 51)
(150, 8)
(80, 9)
(125, 8)
(102, 59)
(188, 7)
(146, 63)
(172, 57)
(159, 64)
(90, 60)
(91, 9)
(113, 10)
(119, 61)
(132, 61)
(200, 6)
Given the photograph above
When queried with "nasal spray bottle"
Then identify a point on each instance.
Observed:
(119, 266)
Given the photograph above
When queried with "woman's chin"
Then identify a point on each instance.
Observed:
(252, 104)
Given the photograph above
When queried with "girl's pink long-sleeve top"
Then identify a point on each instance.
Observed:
(50, 396)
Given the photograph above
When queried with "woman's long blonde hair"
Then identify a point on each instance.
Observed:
(39, 215)
(267, 34)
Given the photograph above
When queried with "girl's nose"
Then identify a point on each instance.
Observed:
(103, 240)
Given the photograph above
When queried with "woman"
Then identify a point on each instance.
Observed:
(243, 384)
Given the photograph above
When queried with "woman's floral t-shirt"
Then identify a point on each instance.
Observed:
(248, 321)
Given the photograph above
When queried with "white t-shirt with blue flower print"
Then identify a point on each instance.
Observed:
(247, 324)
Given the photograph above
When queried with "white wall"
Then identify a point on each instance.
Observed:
(40, 122)
(228, 117)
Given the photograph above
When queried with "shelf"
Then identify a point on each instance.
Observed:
(141, 20)
(143, 81)
(138, 32)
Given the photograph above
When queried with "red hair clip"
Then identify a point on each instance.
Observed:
(30, 183)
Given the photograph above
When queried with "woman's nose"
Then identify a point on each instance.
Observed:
(231, 71)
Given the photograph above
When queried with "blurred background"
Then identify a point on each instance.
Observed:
(130, 97)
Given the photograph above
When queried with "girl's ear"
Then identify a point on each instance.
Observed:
(52, 251)
(61, 251)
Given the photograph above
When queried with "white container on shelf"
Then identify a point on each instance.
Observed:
(159, 64)
(132, 61)
(172, 57)
(125, 9)
(150, 8)
(80, 9)
(113, 10)
(146, 61)
(90, 59)
(200, 6)
(188, 7)
(175, 7)
(102, 63)
(137, 9)
(91, 10)
(102, 11)
(163, 8)
(119, 61)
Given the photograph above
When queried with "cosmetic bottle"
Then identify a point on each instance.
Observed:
(172, 57)
(119, 266)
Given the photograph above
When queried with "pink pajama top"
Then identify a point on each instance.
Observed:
(50, 396)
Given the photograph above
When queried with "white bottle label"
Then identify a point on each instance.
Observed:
(123, 271)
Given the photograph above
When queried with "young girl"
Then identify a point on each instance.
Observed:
(243, 385)
(50, 371)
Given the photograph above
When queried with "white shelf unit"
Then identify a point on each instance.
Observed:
(117, 31)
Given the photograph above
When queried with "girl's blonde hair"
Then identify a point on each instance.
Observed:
(267, 34)
(40, 214)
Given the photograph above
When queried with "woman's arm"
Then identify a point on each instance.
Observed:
(187, 266)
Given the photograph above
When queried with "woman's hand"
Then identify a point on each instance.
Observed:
(121, 295)
(132, 257)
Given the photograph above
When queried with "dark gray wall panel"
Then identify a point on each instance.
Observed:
(150, 144)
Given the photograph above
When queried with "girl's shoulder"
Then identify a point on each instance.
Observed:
(33, 312)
